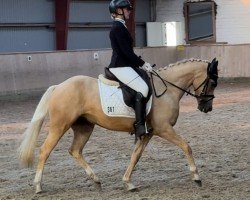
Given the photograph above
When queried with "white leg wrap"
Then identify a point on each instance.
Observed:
(193, 169)
(196, 177)
(38, 177)
(38, 180)
(129, 77)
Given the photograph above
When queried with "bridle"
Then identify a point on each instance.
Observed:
(203, 96)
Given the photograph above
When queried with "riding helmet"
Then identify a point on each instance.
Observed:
(114, 4)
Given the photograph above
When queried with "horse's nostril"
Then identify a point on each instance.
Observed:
(209, 109)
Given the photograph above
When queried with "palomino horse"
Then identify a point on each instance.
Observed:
(75, 104)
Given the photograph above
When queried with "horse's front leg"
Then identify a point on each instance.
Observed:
(139, 148)
(168, 133)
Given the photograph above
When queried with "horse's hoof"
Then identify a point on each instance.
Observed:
(98, 186)
(198, 182)
(38, 191)
(130, 187)
(98, 183)
(38, 188)
(97, 180)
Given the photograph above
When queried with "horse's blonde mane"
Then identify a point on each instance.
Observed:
(182, 62)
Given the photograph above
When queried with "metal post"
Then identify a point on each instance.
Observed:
(61, 24)
(131, 22)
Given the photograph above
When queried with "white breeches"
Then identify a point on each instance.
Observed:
(129, 77)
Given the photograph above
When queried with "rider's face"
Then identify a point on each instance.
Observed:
(126, 13)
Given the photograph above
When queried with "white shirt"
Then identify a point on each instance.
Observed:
(121, 20)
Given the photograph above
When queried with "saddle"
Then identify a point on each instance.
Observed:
(117, 99)
(128, 93)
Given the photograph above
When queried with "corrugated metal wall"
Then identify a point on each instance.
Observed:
(96, 12)
(143, 13)
(26, 39)
(88, 13)
(26, 11)
(23, 36)
(88, 38)
(25, 25)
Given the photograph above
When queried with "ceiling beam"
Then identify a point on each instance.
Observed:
(62, 23)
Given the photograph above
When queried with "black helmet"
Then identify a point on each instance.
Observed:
(114, 4)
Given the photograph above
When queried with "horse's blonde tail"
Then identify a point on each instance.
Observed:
(26, 149)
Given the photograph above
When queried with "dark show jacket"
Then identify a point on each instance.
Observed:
(122, 44)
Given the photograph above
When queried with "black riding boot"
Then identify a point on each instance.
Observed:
(140, 115)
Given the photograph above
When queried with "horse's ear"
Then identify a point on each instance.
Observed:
(216, 64)
(209, 68)
(213, 70)
(214, 60)
(215, 67)
(212, 67)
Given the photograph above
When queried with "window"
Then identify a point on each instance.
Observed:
(200, 21)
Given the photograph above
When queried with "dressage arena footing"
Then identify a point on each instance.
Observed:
(219, 140)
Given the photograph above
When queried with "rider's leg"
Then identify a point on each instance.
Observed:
(132, 79)
(140, 115)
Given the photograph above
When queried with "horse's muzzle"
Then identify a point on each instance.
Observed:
(206, 110)
(205, 106)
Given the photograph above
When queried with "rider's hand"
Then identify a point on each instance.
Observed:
(147, 67)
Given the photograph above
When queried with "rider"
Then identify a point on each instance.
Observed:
(125, 63)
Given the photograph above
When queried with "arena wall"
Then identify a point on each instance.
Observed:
(29, 72)
(233, 59)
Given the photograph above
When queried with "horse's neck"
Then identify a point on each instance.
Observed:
(182, 76)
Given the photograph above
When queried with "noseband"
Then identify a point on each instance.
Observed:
(202, 96)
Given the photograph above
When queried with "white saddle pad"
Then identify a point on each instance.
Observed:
(113, 104)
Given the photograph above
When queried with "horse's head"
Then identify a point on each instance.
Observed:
(205, 90)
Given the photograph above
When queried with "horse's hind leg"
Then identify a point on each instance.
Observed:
(55, 133)
(82, 131)
(139, 148)
(170, 135)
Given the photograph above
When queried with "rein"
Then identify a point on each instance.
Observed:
(201, 96)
